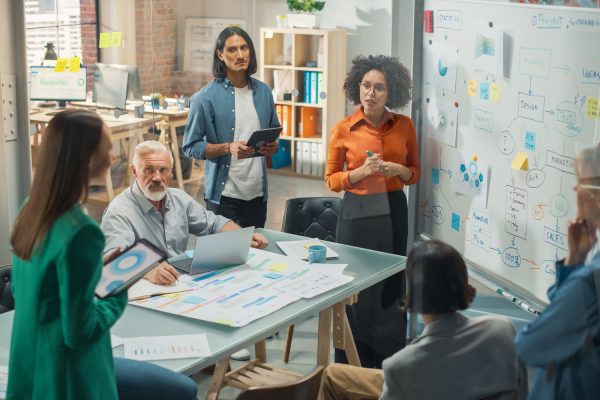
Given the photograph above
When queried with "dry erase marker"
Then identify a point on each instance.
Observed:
(505, 294)
(369, 153)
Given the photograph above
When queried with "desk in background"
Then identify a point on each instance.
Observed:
(124, 127)
(366, 266)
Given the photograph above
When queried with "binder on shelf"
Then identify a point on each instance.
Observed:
(320, 159)
(305, 157)
(314, 158)
(307, 86)
(320, 88)
(282, 158)
(314, 90)
(286, 122)
(298, 157)
(308, 122)
(279, 113)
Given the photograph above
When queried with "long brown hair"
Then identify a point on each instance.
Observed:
(61, 177)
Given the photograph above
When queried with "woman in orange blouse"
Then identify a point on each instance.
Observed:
(372, 155)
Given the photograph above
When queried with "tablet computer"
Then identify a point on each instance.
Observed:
(261, 137)
(128, 267)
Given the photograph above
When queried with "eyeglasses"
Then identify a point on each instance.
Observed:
(379, 89)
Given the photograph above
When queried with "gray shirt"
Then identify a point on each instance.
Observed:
(131, 216)
(457, 358)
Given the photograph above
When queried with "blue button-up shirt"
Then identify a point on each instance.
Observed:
(557, 342)
(212, 120)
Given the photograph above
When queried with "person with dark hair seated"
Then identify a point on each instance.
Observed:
(455, 357)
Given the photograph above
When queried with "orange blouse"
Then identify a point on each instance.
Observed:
(395, 141)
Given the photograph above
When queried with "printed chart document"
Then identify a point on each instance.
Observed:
(299, 248)
(148, 348)
(3, 381)
(315, 283)
(144, 288)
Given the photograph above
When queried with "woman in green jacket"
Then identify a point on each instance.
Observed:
(60, 346)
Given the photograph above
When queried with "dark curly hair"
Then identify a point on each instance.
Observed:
(397, 77)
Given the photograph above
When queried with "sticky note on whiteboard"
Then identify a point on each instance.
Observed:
(455, 223)
(435, 176)
(104, 40)
(472, 87)
(495, 92)
(520, 161)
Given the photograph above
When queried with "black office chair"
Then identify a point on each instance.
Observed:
(314, 217)
(7, 301)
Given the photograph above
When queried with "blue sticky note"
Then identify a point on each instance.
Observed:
(484, 91)
(435, 176)
(455, 222)
(194, 300)
(530, 140)
(273, 275)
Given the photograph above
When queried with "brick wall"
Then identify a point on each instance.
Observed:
(188, 82)
(89, 44)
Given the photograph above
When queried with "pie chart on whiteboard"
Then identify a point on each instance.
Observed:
(442, 66)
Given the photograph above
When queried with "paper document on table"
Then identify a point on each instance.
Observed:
(144, 288)
(329, 268)
(115, 341)
(314, 283)
(166, 347)
(299, 248)
(3, 381)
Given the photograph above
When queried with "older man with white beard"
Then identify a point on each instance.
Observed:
(165, 216)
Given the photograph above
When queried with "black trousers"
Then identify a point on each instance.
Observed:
(245, 213)
(376, 222)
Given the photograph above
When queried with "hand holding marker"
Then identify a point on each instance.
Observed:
(518, 302)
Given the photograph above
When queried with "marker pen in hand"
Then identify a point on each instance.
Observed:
(369, 153)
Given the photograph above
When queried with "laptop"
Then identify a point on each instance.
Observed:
(216, 251)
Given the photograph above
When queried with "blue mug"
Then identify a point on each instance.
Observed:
(317, 254)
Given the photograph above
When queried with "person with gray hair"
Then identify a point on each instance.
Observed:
(165, 216)
(564, 341)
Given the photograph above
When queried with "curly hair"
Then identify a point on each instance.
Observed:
(397, 77)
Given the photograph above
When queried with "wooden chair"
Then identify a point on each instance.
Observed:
(303, 389)
(314, 217)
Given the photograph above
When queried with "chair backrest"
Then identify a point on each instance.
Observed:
(305, 388)
(314, 217)
(7, 302)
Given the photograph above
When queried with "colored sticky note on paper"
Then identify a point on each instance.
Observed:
(279, 267)
(223, 321)
(530, 140)
(61, 65)
(593, 111)
(495, 92)
(435, 176)
(104, 41)
(455, 222)
(194, 300)
(273, 275)
(115, 39)
(520, 161)
(484, 91)
(472, 87)
(74, 64)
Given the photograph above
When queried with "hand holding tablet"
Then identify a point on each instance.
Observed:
(261, 137)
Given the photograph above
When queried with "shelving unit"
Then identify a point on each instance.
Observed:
(287, 56)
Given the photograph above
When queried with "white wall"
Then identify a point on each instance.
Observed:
(118, 16)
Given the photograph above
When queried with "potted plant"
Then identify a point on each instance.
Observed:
(303, 13)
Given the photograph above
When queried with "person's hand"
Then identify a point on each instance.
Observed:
(372, 165)
(582, 238)
(163, 274)
(388, 168)
(239, 150)
(259, 241)
(269, 149)
(112, 255)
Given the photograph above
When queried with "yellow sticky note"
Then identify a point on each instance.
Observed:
(61, 65)
(115, 39)
(279, 267)
(306, 246)
(472, 87)
(74, 63)
(495, 92)
(104, 40)
(593, 111)
(222, 321)
(520, 161)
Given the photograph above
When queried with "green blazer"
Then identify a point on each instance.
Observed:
(60, 345)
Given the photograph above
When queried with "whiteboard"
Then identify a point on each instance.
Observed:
(509, 96)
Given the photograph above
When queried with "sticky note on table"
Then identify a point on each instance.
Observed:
(484, 91)
(194, 300)
(455, 222)
(279, 267)
(593, 111)
(495, 92)
(104, 41)
(435, 176)
(115, 39)
(472, 87)
(61, 65)
(74, 64)
(520, 161)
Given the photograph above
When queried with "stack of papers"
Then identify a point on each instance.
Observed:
(3, 381)
(299, 248)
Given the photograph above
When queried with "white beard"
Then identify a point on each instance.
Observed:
(155, 196)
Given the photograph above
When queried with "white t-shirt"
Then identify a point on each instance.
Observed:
(245, 180)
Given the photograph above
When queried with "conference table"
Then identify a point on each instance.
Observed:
(366, 266)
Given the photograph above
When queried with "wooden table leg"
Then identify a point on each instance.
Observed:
(288, 344)
(260, 348)
(175, 149)
(110, 194)
(324, 335)
(216, 383)
(342, 334)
